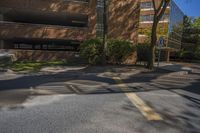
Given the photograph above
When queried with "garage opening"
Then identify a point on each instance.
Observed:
(50, 45)
(47, 18)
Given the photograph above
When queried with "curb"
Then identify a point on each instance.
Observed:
(181, 72)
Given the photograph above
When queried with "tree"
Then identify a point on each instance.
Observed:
(159, 10)
(187, 22)
(196, 23)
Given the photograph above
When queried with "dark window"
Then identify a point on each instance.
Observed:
(47, 18)
(146, 18)
(100, 17)
(146, 5)
(47, 45)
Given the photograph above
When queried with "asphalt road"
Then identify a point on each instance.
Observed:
(88, 100)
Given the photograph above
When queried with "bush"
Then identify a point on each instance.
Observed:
(197, 52)
(185, 55)
(92, 51)
(142, 52)
(118, 50)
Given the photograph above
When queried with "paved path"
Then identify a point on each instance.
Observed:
(90, 100)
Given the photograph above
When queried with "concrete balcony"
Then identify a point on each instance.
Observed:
(12, 30)
(72, 6)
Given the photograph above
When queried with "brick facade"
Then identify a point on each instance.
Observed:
(123, 21)
(148, 25)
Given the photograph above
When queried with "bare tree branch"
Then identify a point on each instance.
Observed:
(160, 6)
(162, 10)
(154, 5)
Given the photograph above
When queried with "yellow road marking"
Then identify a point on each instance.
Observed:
(147, 111)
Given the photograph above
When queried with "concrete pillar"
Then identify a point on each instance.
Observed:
(167, 56)
(1, 44)
(1, 17)
(1, 41)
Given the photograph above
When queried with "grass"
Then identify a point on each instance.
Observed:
(33, 65)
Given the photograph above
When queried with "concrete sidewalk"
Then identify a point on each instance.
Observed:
(183, 68)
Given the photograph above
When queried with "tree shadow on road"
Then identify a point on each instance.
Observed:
(60, 83)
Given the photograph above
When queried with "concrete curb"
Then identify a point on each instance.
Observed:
(179, 72)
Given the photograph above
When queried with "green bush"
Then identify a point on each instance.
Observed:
(197, 52)
(142, 52)
(185, 55)
(118, 50)
(92, 51)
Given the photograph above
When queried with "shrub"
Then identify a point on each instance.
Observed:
(92, 51)
(118, 50)
(142, 52)
(197, 52)
(186, 55)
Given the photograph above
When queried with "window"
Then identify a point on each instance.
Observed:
(165, 17)
(146, 18)
(146, 5)
(47, 45)
(100, 18)
(100, 3)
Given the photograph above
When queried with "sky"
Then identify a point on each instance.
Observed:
(189, 7)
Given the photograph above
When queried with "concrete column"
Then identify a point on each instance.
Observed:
(1, 44)
(1, 41)
(167, 56)
(1, 17)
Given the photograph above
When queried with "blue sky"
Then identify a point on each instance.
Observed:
(189, 7)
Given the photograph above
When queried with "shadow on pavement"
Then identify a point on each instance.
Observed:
(18, 90)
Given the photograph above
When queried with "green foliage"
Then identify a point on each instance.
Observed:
(197, 52)
(118, 50)
(142, 52)
(185, 55)
(191, 35)
(187, 22)
(92, 51)
(196, 23)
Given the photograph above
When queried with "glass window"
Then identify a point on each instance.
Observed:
(100, 18)
(146, 18)
(165, 17)
(100, 3)
(146, 5)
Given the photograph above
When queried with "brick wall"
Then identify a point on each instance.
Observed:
(123, 19)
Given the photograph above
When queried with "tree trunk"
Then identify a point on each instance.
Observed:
(152, 45)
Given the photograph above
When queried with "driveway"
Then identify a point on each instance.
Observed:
(111, 99)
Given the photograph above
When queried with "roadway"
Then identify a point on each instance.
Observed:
(100, 100)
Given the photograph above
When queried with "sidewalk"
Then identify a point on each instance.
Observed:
(183, 68)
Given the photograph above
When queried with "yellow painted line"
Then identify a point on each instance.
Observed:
(146, 111)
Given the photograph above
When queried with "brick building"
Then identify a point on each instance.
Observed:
(36, 27)
(53, 29)
(170, 26)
